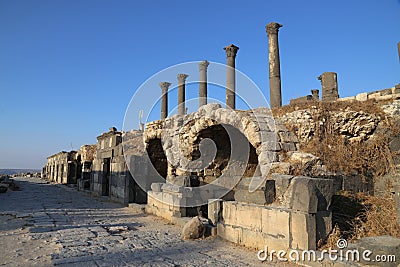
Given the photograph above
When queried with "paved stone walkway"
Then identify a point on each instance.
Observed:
(46, 225)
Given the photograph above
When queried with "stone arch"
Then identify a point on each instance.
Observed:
(218, 134)
(258, 126)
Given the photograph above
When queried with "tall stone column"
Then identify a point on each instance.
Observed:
(231, 51)
(330, 91)
(164, 99)
(274, 65)
(203, 83)
(181, 93)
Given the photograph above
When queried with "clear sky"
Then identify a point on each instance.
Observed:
(68, 68)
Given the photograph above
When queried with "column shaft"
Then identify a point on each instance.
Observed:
(203, 83)
(181, 93)
(164, 99)
(274, 65)
(231, 51)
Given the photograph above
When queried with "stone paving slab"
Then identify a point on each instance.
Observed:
(54, 225)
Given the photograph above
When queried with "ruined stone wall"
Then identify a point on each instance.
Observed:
(380, 95)
(110, 173)
(60, 167)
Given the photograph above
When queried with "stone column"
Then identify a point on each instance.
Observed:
(181, 93)
(231, 51)
(203, 83)
(274, 65)
(398, 49)
(329, 84)
(164, 99)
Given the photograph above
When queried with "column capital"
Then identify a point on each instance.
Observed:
(231, 50)
(165, 85)
(203, 65)
(182, 77)
(273, 27)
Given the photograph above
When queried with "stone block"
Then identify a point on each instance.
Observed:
(168, 187)
(267, 156)
(362, 97)
(309, 194)
(323, 224)
(173, 199)
(273, 146)
(350, 98)
(256, 197)
(229, 214)
(374, 95)
(303, 231)
(214, 210)
(276, 228)
(384, 97)
(252, 239)
(156, 187)
(230, 233)
(249, 216)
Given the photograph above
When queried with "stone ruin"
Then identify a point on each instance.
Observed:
(233, 167)
(284, 211)
(72, 167)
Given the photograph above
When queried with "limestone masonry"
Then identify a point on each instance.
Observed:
(243, 170)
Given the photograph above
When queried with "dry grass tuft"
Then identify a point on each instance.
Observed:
(379, 218)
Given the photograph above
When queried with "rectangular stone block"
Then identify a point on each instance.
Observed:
(214, 210)
(374, 95)
(303, 231)
(323, 224)
(256, 197)
(273, 146)
(350, 98)
(384, 97)
(229, 214)
(275, 227)
(253, 239)
(230, 233)
(249, 216)
(362, 97)
(156, 187)
(309, 194)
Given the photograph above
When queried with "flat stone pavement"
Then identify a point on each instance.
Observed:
(46, 225)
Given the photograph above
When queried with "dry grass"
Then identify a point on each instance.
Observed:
(359, 215)
(354, 215)
(366, 106)
(379, 218)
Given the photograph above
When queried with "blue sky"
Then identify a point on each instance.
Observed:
(68, 69)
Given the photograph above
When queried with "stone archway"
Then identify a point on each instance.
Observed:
(219, 135)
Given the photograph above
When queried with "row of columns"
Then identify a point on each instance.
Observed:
(231, 52)
(181, 91)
